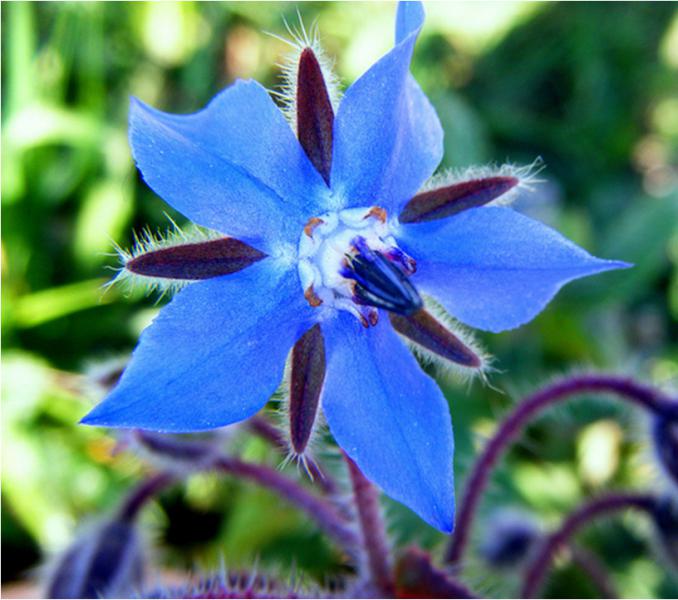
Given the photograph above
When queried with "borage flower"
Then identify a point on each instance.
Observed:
(332, 246)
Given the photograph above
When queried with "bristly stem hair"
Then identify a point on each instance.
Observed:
(319, 509)
(144, 492)
(375, 543)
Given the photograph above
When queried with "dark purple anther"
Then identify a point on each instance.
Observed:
(201, 260)
(379, 282)
(308, 375)
(425, 330)
(315, 115)
(452, 199)
(405, 262)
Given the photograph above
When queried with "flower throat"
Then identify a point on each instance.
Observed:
(349, 260)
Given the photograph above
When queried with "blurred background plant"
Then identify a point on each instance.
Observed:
(591, 88)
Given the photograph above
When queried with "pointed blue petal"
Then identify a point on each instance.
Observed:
(387, 136)
(492, 267)
(235, 166)
(409, 19)
(213, 356)
(390, 417)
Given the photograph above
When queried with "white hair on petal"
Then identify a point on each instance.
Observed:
(525, 174)
(151, 241)
(300, 39)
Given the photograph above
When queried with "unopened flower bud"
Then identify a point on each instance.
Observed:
(665, 436)
(508, 538)
(105, 563)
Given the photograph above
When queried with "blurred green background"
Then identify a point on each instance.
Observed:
(589, 87)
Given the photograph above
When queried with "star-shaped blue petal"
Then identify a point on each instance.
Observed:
(329, 241)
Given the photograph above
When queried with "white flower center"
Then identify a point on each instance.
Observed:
(325, 250)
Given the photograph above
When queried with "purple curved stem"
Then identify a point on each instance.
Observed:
(417, 577)
(538, 567)
(626, 389)
(320, 510)
(375, 543)
(139, 496)
(589, 563)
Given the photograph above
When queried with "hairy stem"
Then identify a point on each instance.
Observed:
(376, 546)
(605, 505)
(509, 429)
(140, 495)
(320, 510)
(417, 577)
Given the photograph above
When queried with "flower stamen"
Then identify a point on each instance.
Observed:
(349, 260)
(312, 298)
(313, 222)
(378, 213)
(379, 282)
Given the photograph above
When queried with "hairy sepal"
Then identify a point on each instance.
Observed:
(134, 274)
(281, 417)
(444, 366)
(454, 191)
(307, 377)
(300, 40)
(315, 114)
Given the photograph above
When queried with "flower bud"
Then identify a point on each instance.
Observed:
(508, 538)
(105, 563)
(665, 437)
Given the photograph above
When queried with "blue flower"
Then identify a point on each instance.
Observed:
(331, 246)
